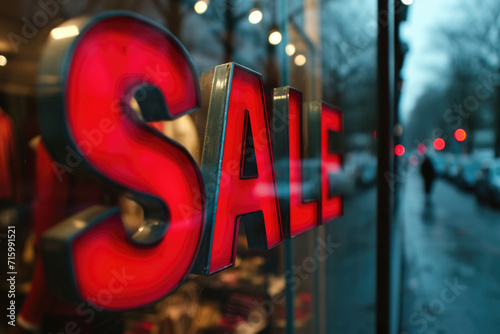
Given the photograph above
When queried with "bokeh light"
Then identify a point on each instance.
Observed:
(398, 130)
(275, 37)
(439, 144)
(460, 134)
(421, 149)
(413, 160)
(290, 49)
(255, 16)
(201, 7)
(399, 150)
(300, 60)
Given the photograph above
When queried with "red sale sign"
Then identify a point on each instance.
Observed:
(237, 127)
(251, 173)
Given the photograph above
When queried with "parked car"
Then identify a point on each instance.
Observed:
(439, 161)
(355, 164)
(467, 173)
(487, 187)
(452, 168)
(368, 172)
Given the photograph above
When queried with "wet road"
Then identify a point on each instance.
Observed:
(452, 267)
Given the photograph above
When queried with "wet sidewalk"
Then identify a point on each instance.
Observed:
(452, 266)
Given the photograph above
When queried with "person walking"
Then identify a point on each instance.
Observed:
(428, 174)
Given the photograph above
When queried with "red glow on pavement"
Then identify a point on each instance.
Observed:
(439, 144)
(399, 150)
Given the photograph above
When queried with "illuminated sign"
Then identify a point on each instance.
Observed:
(251, 174)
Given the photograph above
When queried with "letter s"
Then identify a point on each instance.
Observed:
(89, 72)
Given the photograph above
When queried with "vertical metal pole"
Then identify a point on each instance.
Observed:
(285, 80)
(283, 26)
(289, 293)
(228, 43)
(385, 106)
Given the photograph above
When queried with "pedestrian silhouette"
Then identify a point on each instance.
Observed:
(429, 174)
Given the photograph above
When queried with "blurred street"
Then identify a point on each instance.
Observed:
(452, 272)
(351, 268)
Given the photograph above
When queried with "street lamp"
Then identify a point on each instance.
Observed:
(201, 6)
(274, 36)
(255, 16)
(290, 49)
(300, 60)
